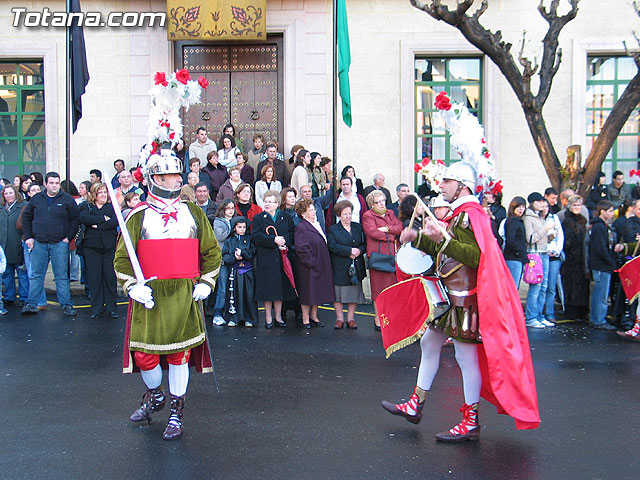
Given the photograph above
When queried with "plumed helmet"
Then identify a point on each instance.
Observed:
(163, 163)
(439, 201)
(463, 173)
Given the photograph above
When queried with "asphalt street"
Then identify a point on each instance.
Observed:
(304, 404)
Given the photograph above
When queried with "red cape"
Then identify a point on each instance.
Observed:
(504, 355)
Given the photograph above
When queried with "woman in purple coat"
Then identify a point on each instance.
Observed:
(314, 276)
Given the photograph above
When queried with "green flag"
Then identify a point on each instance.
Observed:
(344, 60)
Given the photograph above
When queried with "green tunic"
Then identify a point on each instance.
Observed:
(175, 323)
(461, 323)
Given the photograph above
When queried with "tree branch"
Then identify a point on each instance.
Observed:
(552, 55)
(483, 8)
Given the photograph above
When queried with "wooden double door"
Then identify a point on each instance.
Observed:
(245, 89)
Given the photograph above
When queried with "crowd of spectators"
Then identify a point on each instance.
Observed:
(288, 246)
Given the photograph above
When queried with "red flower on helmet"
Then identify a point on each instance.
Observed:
(440, 162)
(442, 101)
(425, 161)
(156, 147)
(172, 135)
(417, 167)
(161, 79)
(497, 188)
(203, 82)
(478, 188)
(137, 174)
(183, 76)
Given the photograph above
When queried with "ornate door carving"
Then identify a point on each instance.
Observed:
(245, 90)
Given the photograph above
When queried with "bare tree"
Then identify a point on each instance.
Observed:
(519, 75)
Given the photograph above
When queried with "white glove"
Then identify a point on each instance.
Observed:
(142, 294)
(201, 291)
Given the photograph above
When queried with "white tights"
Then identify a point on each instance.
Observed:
(178, 378)
(466, 356)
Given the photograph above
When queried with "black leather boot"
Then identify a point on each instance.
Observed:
(153, 401)
(174, 425)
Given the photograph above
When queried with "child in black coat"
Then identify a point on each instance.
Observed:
(238, 254)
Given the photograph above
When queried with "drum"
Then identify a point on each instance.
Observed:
(438, 297)
(412, 261)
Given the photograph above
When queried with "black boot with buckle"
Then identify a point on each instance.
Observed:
(174, 425)
(153, 401)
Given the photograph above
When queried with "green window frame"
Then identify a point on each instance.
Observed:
(461, 77)
(607, 77)
(22, 117)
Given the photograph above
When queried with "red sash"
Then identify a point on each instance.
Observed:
(169, 258)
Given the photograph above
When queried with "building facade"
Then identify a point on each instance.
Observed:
(282, 86)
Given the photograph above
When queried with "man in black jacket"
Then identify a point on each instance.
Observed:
(632, 226)
(378, 184)
(49, 223)
(602, 263)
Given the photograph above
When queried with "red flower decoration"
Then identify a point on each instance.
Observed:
(161, 79)
(425, 161)
(203, 82)
(633, 173)
(478, 188)
(183, 76)
(239, 14)
(487, 154)
(417, 167)
(497, 188)
(440, 162)
(192, 14)
(484, 141)
(138, 175)
(172, 135)
(442, 101)
(156, 147)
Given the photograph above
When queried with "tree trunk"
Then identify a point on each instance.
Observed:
(544, 146)
(609, 133)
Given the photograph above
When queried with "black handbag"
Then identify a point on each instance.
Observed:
(82, 228)
(382, 262)
(353, 273)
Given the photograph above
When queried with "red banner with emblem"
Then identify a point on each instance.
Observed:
(630, 278)
(405, 311)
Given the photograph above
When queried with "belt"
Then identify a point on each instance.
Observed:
(463, 293)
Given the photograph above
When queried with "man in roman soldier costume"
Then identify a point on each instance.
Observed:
(486, 319)
(167, 261)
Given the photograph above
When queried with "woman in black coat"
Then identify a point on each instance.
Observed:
(575, 281)
(12, 203)
(515, 243)
(272, 230)
(347, 246)
(99, 248)
(313, 272)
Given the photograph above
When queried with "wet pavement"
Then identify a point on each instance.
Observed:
(304, 404)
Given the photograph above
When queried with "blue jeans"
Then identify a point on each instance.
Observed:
(9, 282)
(537, 293)
(599, 297)
(554, 270)
(516, 268)
(58, 254)
(42, 301)
(221, 291)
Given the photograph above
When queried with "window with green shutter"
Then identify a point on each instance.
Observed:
(607, 77)
(22, 116)
(462, 79)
